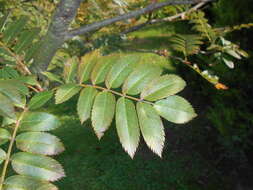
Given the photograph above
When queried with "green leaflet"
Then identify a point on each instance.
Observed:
(8, 72)
(120, 70)
(229, 63)
(25, 40)
(85, 103)
(127, 125)
(19, 182)
(70, 69)
(40, 99)
(163, 87)
(151, 127)
(87, 63)
(12, 94)
(38, 121)
(14, 29)
(28, 79)
(14, 85)
(138, 79)
(103, 112)
(65, 92)
(52, 77)
(233, 53)
(101, 69)
(7, 121)
(5, 136)
(37, 166)
(187, 44)
(6, 107)
(39, 143)
(2, 155)
(175, 109)
(3, 20)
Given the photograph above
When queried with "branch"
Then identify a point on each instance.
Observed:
(171, 18)
(154, 6)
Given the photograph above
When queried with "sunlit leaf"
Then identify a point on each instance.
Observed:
(103, 112)
(70, 69)
(127, 125)
(39, 143)
(163, 87)
(20, 182)
(151, 127)
(85, 103)
(120, 70)
(39, 121)
(101, 69)
(175, 109)
(37, 166)
(141, 76)
(87, 63)
(65, 92)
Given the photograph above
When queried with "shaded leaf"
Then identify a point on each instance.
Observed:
(19, 182)
(6, 107)
(37, 166)
(39, 121)
(65, 92)
(175, 109)
(127, 125)
(151, 127)
(14, 29)
(163, 87)
(139, 78)
(40, 99)
(52, 77)
(85, 103)
(5, 136)
(39, 143)
(2, 155)
(103, 112)
(26, 39)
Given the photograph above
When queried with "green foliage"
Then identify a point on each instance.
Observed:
(186, 44)
(136, 76)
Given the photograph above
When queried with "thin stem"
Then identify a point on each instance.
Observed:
(7, 160)
(115, 92)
